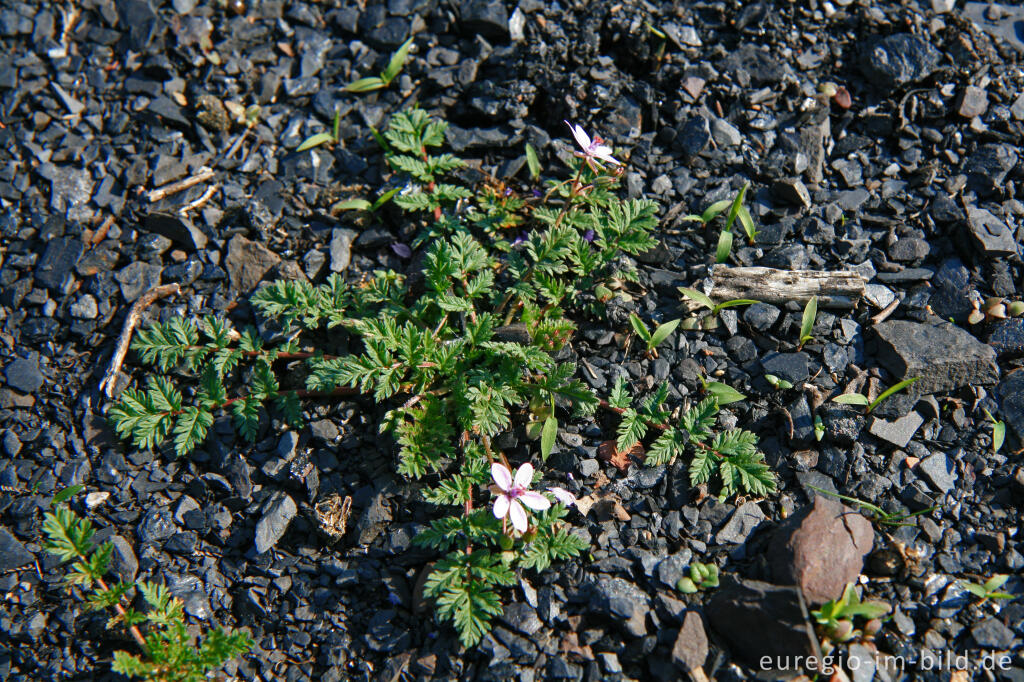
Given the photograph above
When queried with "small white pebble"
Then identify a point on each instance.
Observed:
(93, 500)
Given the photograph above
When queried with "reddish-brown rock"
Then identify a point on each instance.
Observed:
(821, 549)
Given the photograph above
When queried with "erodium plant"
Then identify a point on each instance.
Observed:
(459, 350)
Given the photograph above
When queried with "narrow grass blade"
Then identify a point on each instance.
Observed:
(714, 209)
(351, 205)
(724, 246)
(315, 141)
(366, 84)
(397, 62)
(889, 391)
(851, 399)
(639, 327)
(663, 331)
(697, 296)
(734, 208)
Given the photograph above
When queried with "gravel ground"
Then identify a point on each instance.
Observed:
(907, 176)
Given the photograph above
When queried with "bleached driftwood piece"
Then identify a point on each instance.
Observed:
(840, 289)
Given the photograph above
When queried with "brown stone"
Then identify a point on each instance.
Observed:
(691, 647)
(821, 549)
(247, 262)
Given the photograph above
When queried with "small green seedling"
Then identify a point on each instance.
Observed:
(819, 428)
(323, 138)
(998, 432)
(652, 339)
(988, 589)
(715, 308)
(836, 617)
(702, 577)
(723, 392)
(861, 399)
(780, 384)
(363, 204)
(878, 515)
(389, 74)
(736, 211)
(807, 323)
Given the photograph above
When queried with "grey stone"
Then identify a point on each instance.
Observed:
(341, 248)
(624, 602)
(55, 269)
(899, 59)
(487, 17)
(70, 192)
(992, 634)
(878, 295)
(789, 366)
(761, 316)
(792, 190)
(897, 432)
(373, 519)
(673, 567)
(85, 308)
(952, 295)
(589, 467)
(760, 619)
(521, 617)
(987, 167)
(991, 234)
(973, 102)
(277, 515)
(248, 262)
(691, 647)
(944, 356)
(693, 137)
(939, 470)
(725, 133)
(13, 554)
(123, 561)
(999, 20)
(138, 278)
(24, 375)
(821, 548)
(741, 524)
(156, 526)
(866, 663)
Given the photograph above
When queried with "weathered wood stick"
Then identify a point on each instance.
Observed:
(202, 175)
(834, 289)
(121, 350)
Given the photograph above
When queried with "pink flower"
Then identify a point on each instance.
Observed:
(516, 493)
(563, 496)
(592, 149)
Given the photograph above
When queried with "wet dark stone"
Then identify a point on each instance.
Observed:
(56, 267)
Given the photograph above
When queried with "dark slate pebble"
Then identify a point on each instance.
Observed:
(992, 634)
(24, 375)
(693, 137)
(789, 366)
(177, 228)
(952, 296)
(899, 59)
(55, 268)
(761, 316)
(489, 18)
(13, 554)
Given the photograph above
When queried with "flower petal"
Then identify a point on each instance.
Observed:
(501, 504)
(524, 476)
(605, 154)
(582, 139)
(501, 475)
(563, 496)
(535, 501)
(518, 516)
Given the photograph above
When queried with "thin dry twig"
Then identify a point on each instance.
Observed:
(202, 175)
(886, 312)
(200, 202)
(117, 359)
